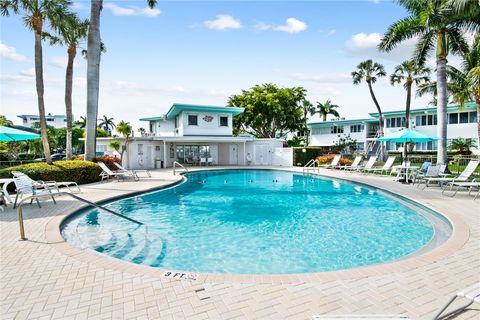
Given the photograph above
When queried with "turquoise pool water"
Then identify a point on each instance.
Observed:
(258, 222)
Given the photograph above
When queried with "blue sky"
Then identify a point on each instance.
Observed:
(202, 52)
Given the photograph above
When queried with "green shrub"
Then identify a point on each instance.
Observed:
(64, 170)
(329, 158)
(300, 158)
(108, 160)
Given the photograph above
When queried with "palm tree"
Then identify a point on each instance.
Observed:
(409, 73)
(125, 129)
(35, 13)
(106, 124)
(463, 84)
(326, 108)
(370, 71)
(81, 123)
(94, 49)
(437, 24)
(70, 33)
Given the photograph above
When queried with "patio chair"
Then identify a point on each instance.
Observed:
(210, 161)
(464, 176)
(107, 173)
(369, 164)
(121, 168)
(27, 186)
(422, 171)
(463, 184)
(355, 164)
(53, 184)
(385, 168)
(203, 161)
(432, 172)
(472, 294)
(334, 163)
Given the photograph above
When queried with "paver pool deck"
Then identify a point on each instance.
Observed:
(46, 278)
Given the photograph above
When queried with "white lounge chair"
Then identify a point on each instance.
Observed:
(463, 177)
(472, 294)
(355, 164)
(385, 168)
(463, 184)
(27, 186)
(53, 184)
(203, 161)
(210, 161)
(369, 164)
(334, 163)
(107, 173)
(121, 168)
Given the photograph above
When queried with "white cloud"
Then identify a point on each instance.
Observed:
(262, 26)
(366, 46)
(28, 72)
(131, 10)
(375, 1)
(10, 53)
(58, 61)
(292, 25)
(331, 32)
(77, 5)
(322, 77)
(223, 22)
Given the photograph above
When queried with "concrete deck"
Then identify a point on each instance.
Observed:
(46, 278)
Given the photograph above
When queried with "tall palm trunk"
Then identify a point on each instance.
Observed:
(442, 110)
(477, 100)
(37, 27)
(324, 117)
(72, 51)
(93, 77)
(407, 114)
(380, 116)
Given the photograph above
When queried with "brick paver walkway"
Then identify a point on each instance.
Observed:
(38, 281)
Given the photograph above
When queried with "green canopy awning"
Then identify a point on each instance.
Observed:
(8, 134)
(408, 135)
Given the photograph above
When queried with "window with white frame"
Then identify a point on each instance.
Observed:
(192, 120)
(396, 122)
(426, 120)
(336, 129)
(223, 121)
(320, 130)
(360, 146)
(357, 128)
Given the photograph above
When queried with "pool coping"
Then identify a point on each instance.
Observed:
(460, 235)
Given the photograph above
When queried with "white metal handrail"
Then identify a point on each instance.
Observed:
(313, 164)
(176, 163)
(25, 200)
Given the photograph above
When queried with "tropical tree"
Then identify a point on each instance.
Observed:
(106, 123)
(142, 131)
(5, 122)
(270, 111)
(70, 32)
(35, 14)
(409, 73)
(437, 25)
(326, 108)
(94, 49)
(81, 123)
(125, 129)
(115, 145)
(462, 145)
(370, 71)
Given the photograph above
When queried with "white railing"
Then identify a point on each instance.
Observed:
(176, 163)
(313, 164)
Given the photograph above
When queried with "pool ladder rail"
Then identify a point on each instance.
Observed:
(31, 198)
(176, 163)
(312, 165)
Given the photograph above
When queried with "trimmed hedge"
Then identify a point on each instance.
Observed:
(64, 170)
(300, 158)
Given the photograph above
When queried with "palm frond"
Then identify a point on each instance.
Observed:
(456, 42)
(400, 31)
(424, 46)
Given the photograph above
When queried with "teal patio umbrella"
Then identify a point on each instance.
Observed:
(8, 134)
(407, 136)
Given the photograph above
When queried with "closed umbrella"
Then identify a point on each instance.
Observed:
(8, 134)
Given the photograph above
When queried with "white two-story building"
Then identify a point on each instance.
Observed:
(462, 123)
(189, 133)
(56, 121)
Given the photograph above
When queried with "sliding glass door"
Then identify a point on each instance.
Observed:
(191, 154)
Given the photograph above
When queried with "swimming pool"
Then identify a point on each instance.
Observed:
(259, 222)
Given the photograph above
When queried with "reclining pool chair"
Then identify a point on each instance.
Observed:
(107, 173)
(355, 164)
(385, 168)
(464, 176)
(333, 164)
(26, 186)
(472, 294)
(121, 168)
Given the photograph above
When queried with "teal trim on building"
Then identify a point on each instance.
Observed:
(341, 122)
(177, 108)
(36, 115)
(152, 119)
(470, 106)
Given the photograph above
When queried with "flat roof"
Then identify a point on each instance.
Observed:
(176, 108)
(468, 107)
(341, 122)
(36, 115)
